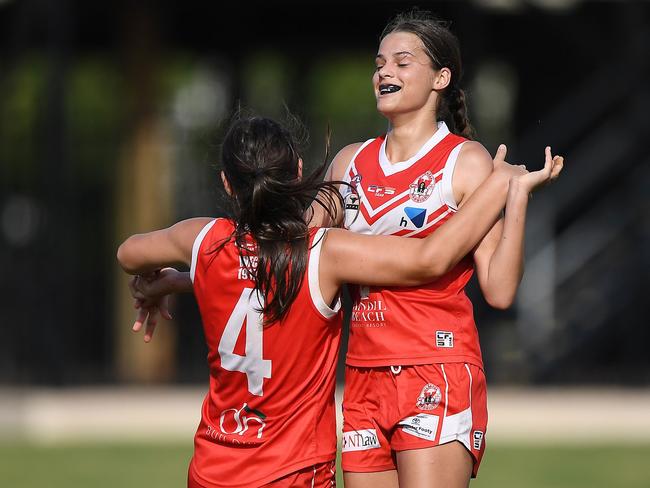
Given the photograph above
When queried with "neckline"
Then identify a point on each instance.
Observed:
(391, 168)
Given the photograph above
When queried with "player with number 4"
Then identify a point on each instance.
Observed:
(267, 287)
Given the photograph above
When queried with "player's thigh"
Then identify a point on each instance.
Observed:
(445, 466)
(381, 479)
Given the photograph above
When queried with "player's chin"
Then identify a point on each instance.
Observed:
(387, 105)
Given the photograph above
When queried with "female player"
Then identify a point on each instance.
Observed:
(267, 287)
(414, 380)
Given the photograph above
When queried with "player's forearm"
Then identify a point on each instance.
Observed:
(506, 266)
(459, 235)
(167, 282)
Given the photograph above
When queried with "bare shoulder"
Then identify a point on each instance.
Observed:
(341, 161)
(474, 157)
(184, 233)
(193, 225)
(474, 165)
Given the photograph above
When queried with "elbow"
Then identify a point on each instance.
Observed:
(429, 269)
(500, 301)
(124, 258)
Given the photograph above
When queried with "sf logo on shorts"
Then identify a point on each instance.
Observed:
(429, 397)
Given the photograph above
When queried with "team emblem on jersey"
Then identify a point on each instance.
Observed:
(422, 188)
(429, 397)
(380, 191)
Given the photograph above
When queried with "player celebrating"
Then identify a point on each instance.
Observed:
(267, 287)
(414, 373)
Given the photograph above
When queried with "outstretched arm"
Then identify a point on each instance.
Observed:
(388, 260)
(141, 254)
(144, 255)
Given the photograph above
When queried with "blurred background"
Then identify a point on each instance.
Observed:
(110, 120)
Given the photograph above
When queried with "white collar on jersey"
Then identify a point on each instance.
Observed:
(392, 168)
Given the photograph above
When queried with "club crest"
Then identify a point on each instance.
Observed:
(422, 188)
(429, 398)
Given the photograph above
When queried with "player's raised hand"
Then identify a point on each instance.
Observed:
(501, 166)
(533, 180)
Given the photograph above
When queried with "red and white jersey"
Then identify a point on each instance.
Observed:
(403, 326)
(270, 407)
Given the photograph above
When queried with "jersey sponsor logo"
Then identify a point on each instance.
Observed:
(380, 191)
(422, 425)
(351, 201)
(247, 267)
(422, 188)
(368, 312)
(477, 439)
(360, 440)
(444, 338)
(233, 425)
(429, 398)
(415, 215)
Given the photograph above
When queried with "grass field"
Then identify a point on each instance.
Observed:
(162, 466)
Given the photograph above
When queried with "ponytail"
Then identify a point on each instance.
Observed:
(269, 206)
(456, 109)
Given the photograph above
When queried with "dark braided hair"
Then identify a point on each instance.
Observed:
(443, 48)
(270, 205)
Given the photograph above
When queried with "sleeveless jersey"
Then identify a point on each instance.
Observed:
(270, 407)
(432, 323)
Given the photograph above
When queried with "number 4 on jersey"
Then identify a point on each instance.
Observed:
(251, 364)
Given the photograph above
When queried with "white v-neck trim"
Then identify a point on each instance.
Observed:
(391, 168)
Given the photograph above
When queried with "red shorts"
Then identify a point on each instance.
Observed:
(389, 409)
(322, 475)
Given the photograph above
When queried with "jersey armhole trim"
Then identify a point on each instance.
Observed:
(314, 283)
(447, 178)
(197, 245)
(361, 148)
(353, 160)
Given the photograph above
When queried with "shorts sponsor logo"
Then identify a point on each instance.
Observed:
(444, 338)
(429, 398)
(360, 440)
(477, 438)
(422, 188)
(422, 425)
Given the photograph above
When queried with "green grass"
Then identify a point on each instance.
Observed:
(162, 465)
(611, 466)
